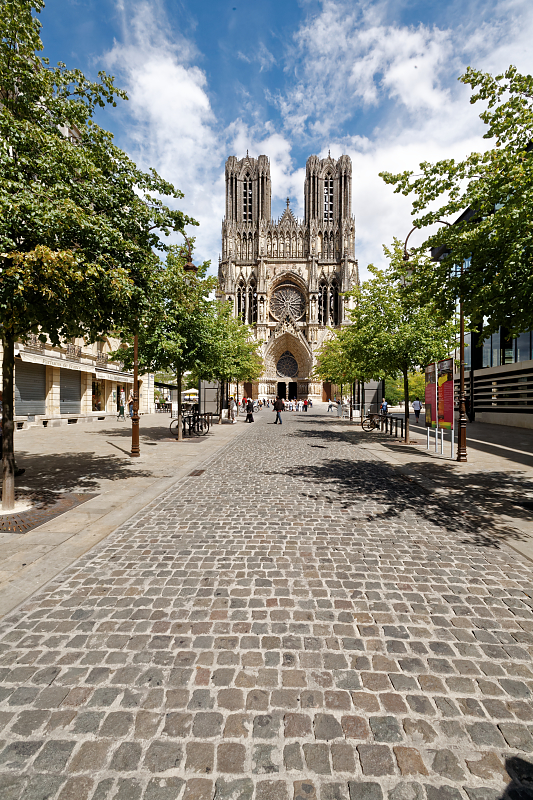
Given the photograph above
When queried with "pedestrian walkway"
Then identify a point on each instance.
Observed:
(299, 621)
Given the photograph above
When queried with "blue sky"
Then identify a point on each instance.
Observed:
(376, 79)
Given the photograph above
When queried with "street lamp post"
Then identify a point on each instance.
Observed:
(135, 449)
(461, 439)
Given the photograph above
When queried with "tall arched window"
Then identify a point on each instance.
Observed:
(241, 301)
(328, 198)
(334, 303)
(322, 302)
(252, 302)
(247, 198)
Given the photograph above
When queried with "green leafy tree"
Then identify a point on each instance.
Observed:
(233, 354)
(395, 388)
(78, 220)
(493, 193)
(392, 332)
(175, 329)
(334, 364)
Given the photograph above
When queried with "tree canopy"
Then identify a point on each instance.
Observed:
(493, 194)
(79, 221)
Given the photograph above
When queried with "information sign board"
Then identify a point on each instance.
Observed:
(430, 397)
(445, 393)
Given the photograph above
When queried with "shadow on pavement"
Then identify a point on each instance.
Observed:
(521, 774)
(66, 472)
(474, 505)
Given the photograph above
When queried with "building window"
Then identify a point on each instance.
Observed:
(323, 303)
(252, 303)
(523, 346)
(328, 198)
(334, 303)
(247, 199)
(241, 304)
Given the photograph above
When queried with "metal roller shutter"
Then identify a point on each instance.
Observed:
(30, 388)
(70, 391)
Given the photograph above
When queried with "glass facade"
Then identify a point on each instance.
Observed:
(497, 350)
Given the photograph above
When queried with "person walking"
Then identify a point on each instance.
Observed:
(330, 405)
(339, 408)
(278, 408)
(130, 404)
(232, 409)
(305, 405)
(121, 404)
(249, 410)
(417, 407)
(384, 406)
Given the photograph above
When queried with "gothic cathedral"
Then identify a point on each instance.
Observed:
(286, 277)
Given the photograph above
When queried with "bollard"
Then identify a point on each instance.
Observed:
(402, 426)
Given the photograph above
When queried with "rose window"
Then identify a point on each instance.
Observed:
(287, 301)
(287, 366)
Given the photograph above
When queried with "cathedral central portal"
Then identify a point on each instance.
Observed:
(286, 277)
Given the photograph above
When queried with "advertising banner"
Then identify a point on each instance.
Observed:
(445, 393)
(430, 397)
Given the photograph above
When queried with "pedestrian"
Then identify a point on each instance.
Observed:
(417, 407)
(278, 408)
(121, 404)
(339, 408)
(384, 407)
(249, 410)
(232, 409)
(305, 405)
(130, 404)
(330, 405)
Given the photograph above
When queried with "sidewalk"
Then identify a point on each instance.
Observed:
(92, 459)
(496, 483)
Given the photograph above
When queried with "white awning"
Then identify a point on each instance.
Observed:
(120, 377)
(49, 361)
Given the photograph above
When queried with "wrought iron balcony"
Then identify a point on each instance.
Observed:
(74, 352)
(102, 358)
(33, 343)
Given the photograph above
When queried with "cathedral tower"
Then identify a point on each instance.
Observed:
(286, 277)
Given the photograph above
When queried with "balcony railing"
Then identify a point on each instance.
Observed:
(74, 352)
(33, 343)
(102, 358)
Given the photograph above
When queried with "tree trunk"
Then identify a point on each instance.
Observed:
(180, 415)
(8, 426)
(406, 402)
(221, 401)
(362, 401)
(351, 401)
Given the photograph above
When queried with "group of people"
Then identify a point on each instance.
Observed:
(335, 405)
(417, 408)
(122, 404)
(250, 406)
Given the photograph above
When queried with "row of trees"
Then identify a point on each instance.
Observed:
(404, 316)
(82, 228)
(182, 329)
(393, 332)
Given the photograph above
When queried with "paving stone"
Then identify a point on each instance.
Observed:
(407, 791)
(265, 726)
(271, 790)
(443, 793)
(231, 757)
(297, 725)
(54, 756)
(342, 757)
(485, 733)
(241, 789)
(327, 727)
(386, 729)
(445, 763)
(376, 759)
(516, 736)
(11, 786)
(364, 790)
(304, 790)
(207, 725)
(264, 759)
(410, 761)
(78, 788)
(163, 788)
(292, 756)
(334, 791)
(128, 789)
(317, 758)
(162, 756)
(200, 757)
(198, 789)
(488, 767)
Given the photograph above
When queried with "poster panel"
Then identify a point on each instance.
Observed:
(445, 393)
(430, 397)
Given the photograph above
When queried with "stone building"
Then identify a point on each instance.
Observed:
(286, 277)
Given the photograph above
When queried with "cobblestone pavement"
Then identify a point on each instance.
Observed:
(294, 624)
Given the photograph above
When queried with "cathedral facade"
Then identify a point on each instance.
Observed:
(286, 277)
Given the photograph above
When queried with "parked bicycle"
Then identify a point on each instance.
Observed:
(373, 422)
(193, 424)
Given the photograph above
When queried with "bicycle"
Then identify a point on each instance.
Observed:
(372, 421)
(194, 424)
